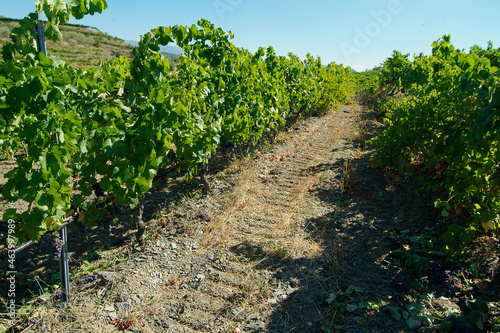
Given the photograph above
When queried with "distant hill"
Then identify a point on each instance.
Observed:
(172, 49)
(171, 52)
(81, 47)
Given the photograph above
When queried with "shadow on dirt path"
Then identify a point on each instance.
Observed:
(348, 285)
(293, 239)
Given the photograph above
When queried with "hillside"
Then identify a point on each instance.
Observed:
(85, 46)
(81, 46)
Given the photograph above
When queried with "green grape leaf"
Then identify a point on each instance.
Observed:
(53, 33)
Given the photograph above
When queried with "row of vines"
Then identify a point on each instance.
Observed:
(110, 129)
(443, 126)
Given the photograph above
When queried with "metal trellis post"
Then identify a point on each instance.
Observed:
(63, 260)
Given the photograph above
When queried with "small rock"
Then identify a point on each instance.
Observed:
(173, 246)
(109, 308)
(278, 293)
(108, 277)
(258, 325)
(445, 307)
(122, 305)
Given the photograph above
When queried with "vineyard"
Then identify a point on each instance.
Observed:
(108, 130)
(93, 144)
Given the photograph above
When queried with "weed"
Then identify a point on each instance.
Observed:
(6, 154)
(348, 301)
(345, 182)
(280, 252)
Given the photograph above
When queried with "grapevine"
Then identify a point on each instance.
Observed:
(58, 244)
(442, 128)
(118, 124)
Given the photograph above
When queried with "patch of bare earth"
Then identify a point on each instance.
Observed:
(276, 236)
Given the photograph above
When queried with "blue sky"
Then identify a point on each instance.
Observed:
(356, 33)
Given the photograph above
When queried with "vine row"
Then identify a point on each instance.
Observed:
(443, 127)
(108, 130)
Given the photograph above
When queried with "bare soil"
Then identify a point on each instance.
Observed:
(304, 218)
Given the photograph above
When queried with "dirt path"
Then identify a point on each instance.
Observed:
(301, 221)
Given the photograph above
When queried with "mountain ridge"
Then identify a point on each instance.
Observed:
(172, 49)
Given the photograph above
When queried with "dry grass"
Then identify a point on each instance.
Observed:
(251, 195)
(217, 233)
